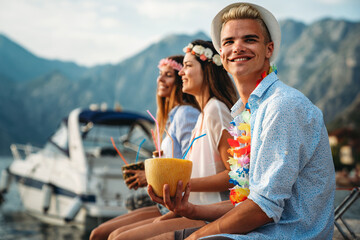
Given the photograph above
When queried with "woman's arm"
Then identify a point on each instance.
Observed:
(214, 183)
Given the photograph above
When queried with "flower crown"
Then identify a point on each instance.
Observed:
(172, 63)
(205, 54)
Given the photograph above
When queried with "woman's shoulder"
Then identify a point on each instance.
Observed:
(216, 106)
(187, 109)
(185, 113)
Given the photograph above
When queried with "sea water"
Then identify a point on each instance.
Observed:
(16, 224)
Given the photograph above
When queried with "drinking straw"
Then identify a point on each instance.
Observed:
(158, 133)
(137, 155)
(112, 140)
(153, 136)
(172, 141)
(192, 144)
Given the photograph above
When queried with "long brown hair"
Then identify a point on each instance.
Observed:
(177, 97)
(216, 78)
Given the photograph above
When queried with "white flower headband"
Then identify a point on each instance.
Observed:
(203, 53)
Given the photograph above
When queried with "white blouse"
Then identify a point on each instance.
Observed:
(204, 152)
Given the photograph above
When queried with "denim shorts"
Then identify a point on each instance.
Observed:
(163, 210)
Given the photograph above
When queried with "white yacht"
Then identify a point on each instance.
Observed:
(77, 178)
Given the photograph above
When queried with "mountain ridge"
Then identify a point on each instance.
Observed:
(313, 57)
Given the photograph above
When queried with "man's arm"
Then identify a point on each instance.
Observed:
(242, 219)
(180, 205)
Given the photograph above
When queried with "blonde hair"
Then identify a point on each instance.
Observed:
(245, 11)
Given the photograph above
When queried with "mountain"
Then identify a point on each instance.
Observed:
(323, 62)
(320, 59)
(349, 118)
(32, 106)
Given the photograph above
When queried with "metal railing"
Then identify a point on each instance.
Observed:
(20, 151)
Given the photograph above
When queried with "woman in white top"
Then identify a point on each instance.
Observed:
(215, 94)
(203, 77)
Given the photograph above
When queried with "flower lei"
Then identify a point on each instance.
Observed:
(205, 54)
(240, 160)
(240, 147)
(172, 63)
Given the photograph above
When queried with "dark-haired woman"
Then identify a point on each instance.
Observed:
(204, 78)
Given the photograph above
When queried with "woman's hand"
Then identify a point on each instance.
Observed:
(138, 179)
(179, 204)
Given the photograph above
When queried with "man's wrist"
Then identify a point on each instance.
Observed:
(191, 211)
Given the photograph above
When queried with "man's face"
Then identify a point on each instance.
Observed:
(243, 50)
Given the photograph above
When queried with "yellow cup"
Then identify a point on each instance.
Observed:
(160, 171)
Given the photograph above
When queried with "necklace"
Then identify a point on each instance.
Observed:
(240, 147)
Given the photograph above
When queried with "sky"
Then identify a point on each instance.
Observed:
(92, 32)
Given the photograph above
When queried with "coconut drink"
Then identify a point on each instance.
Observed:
(160, 171)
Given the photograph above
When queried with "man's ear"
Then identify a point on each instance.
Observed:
(269, 49)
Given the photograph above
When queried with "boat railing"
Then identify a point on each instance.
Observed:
(20, 151)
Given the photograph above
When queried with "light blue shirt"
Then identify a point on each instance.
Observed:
(292, 176)
(181, 122)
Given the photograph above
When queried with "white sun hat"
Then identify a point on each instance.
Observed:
(268, 18)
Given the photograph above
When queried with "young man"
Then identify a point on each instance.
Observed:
(292, 177)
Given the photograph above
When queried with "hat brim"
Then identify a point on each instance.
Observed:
(271, 23)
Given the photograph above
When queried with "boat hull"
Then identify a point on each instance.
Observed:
(64, 207)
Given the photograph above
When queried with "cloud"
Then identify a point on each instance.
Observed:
(333, 2)
(161, 9)
(83, 31)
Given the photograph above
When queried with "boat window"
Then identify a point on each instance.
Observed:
(99, 135)
(127, 139)
(137, 134)
(58, 142)
(60, 137)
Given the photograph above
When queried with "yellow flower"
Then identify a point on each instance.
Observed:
(244, 127)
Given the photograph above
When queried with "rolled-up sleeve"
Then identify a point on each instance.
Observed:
(278, 141)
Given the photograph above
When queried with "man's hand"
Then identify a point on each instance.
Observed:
(178, 204)
(138, 179)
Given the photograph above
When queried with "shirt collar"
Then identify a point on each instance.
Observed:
(237, 108)
(257, 93)
(264, 85)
